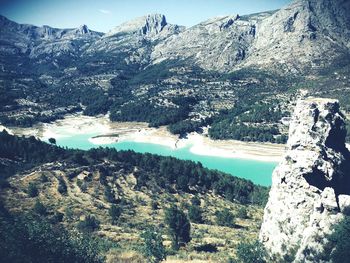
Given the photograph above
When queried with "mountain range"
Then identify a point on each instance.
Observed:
(295, 36)
(221, 61)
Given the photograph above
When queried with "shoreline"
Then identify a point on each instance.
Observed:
(104, 132)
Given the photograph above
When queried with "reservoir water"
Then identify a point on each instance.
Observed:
(257, 171)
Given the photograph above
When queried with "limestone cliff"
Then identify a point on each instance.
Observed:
(310, 189)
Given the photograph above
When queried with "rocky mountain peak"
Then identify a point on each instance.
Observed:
(154, 24)
(83, 29)
(149, 25)
(310, 189)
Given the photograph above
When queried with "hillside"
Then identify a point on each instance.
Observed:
(49, 187)
(225, 72)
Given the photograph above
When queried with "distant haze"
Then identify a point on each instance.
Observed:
(102, 15)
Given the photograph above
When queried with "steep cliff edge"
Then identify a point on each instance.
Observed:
(310, 189)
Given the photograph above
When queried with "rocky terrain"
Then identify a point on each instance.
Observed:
(221, 63)
(310, 191)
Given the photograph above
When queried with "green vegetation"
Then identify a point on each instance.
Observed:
(242, 213)
(186, 126)
(251, 252)
(179, 226)
(249, 123)
(28, 238)
(153, 248)
(32, 190)
(225, 218)
(89, 224)
(62, 187)
(96, 101)
(195, 211)
(145, 111)
(39, 208)
(115, 212)
(108, 193)
(52, 140)
(338, 248)
(28, 121)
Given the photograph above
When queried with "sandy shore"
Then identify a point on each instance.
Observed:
(105, 132)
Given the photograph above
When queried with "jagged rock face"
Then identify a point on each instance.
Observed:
(311, 186)
(301, 35)
(152, 27)
(216, 44)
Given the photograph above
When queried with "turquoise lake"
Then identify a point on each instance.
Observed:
(257, 171)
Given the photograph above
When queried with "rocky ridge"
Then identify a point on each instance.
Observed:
(311, 186)
(306, 34)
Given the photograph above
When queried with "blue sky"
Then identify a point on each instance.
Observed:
(102, 15)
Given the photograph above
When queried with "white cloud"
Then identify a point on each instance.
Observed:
(104, 11)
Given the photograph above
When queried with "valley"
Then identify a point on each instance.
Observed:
(220, 142)
(253, 161)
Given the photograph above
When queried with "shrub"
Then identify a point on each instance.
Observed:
(24, 238)
(43, 178)
(225, 218)
(154, 205)
(39, 208)
(58, 217)
(251, 252)
(52, 140)
(62, 186)
(68, 213)
(153, 248)
(210, 248)
(89, 224)
(338, 248)
(242, 213)
(109, 196)
(32, 190)
(195, 214)
(115, 212)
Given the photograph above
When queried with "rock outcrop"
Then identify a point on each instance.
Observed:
(149, 26)
(311, 186)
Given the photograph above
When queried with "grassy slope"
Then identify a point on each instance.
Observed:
(137, 210)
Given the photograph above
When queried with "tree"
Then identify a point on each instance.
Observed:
(109, 196)
(251, 252)
(195, 211)
(196, 201)
(224, 218)
(52, 140)
(89, 224)
(28, 238)
(195, 214)
(39, 208)
(62, 186)
(32, 190)
(179, 226)
(115, 212)
(153, 248)
(43, 178)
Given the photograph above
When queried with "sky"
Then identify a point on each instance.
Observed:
(103, 15)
